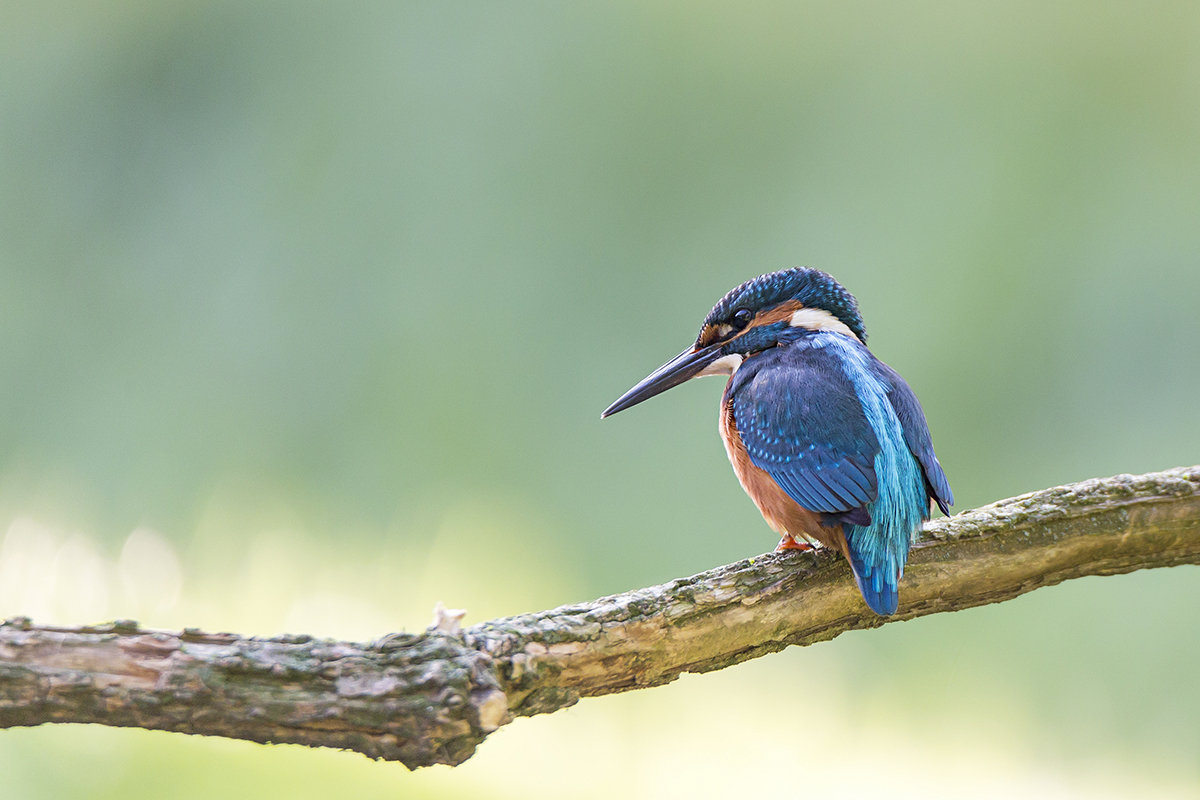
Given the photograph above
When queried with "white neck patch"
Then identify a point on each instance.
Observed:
(725, 365)
(818, 319)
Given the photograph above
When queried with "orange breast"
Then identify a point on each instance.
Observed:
(782, 513)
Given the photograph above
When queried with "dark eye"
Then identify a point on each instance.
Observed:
(742, 317)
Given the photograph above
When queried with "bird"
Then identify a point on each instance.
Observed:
(829, 442)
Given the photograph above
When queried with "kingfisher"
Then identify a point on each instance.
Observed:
(829, 442)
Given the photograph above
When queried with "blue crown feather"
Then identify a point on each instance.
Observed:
(812, 288)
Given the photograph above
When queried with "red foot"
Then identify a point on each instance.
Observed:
(788, 543)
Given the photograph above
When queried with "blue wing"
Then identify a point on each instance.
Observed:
(799, 417)
(803, 423)
(916, 436)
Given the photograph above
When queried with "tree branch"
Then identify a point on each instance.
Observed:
(432, 698)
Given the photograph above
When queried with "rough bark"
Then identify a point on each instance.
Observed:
(431, 698)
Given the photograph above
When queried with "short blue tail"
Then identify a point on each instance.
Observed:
(876, 573)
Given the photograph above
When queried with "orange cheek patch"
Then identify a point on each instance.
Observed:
(779, 313)
(711, 334)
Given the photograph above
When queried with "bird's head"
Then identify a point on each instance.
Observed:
(770, 310)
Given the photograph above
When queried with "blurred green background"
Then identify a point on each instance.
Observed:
(308, 312)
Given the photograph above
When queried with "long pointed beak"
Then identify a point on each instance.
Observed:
(679, 369)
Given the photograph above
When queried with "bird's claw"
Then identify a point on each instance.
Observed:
(788, 543)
